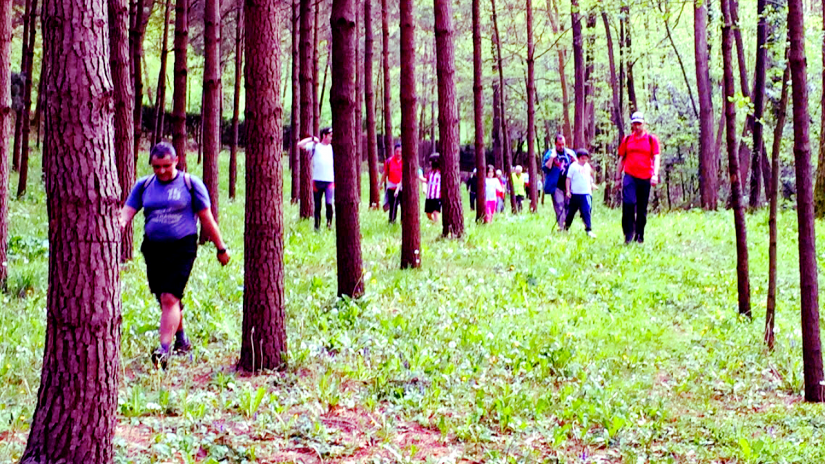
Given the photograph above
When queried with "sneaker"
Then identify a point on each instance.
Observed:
(182, 346)
(640, 239)
(160, 358)
(591, 234)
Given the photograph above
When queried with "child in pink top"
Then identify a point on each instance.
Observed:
(492, 187)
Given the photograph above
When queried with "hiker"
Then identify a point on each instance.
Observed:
(323, 173)
(172, 202)
(555, 164)
(579, 191)
(639, 160)
(492, 186)
(472, 187)
(432, 203)
(393, 170)
(501, 195)
(519, 180)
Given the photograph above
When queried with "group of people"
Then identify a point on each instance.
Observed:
(173, 201)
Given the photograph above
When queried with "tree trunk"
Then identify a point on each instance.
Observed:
(666, 15)
(578, 86)
(27, 103)
(531, 106)
(628, 49)
(160, 106)
(263, 342)
(18, 122)
(453, 218)
(359, 101)
(747, 130)
(307, 111)
(385, 36)
(498, 156)
(316, 107)
(342, 102)
(76, 410)
(773, 196)
(708, 156)
(323, 87)
(6, 33)
(121, 79)
(508, 159)
(236, 104)
(819, 193)
(759, 103)
(212, 96)
(589, 84)
(809, 286)
(618, 118)
(478, 114)
(295, 117)
(733, 169)
(553, 14)
(369, 99)
(136, 52)
(410, 219)
(179, 93)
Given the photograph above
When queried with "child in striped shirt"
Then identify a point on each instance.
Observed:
(432, 204)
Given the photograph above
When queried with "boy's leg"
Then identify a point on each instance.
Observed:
(329, 194)
(317, 193)
(628, 208)
(572, 209)
(586, 207)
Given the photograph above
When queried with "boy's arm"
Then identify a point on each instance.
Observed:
(569, 194)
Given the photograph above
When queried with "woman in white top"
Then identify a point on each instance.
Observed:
(492, 186)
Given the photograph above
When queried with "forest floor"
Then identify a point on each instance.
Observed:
(515, 344)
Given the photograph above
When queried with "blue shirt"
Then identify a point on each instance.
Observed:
(555, 177)
(167, 206)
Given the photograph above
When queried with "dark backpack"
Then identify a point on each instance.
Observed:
(187, 179)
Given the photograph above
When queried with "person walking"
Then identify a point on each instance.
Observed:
(432, 204)
(501, 195)
(639, 160)
(393, 172)
(519, 191)
(579, 191)
(472, 188)
(555, 165)
(172, 202)
(492, 187)
(323, 173)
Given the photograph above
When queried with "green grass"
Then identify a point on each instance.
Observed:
(514, 344)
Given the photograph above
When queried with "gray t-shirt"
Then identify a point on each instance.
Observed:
(167, 206)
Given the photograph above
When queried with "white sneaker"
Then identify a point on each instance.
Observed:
(591, 234)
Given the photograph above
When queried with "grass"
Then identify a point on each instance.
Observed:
(515, 344)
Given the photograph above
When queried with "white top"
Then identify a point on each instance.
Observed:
(491, 186)
(581, 178)
(322, 164)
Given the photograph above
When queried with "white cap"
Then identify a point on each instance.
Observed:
(637, 117)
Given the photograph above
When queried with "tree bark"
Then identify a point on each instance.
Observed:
(531, 106)
(236, 105)
(121, 79)
(618, 119)
(27, 103)
(295, 117)
(179, 93)
(359, 100)
(263, 343)
(747, 130)
(453, 218)
(819, 192)
(369, 99)
(212, 96)
(708, 156)
(342, 101)
(316, 106)
(385, 37)
(307, 111)
(410, 219)
(553, 14)
(6, 35)
(578, 86)
(743, 282)
(809, 286)
(76, 410)
(160, 106)
(508, 159)
(628, 48)
(759, 103)
(589, 85)
(478, 114)
(18, 122)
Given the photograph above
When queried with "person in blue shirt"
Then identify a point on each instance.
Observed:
(172, 202)
(555, 164)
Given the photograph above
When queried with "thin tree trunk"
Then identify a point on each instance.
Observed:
(385, 36)
(6, 33)
(323, 86)
(628, 48)
(18, 123)
(498, 156)
(747, 130)
(295, 117)
(316, 106)
(743, 282)
(478, 114)
(307, 111)
(76, 412)
(121, 79)
(819, 192)
(759, 103)
(809, 286)
(666, 15)
(553, 14)
(531, 109)
(160, 106)
(410, 219)
(342, 101)
(708, 156)
(136, 52)
(508, 159)
(27, 103)
(578, 87)
(236, 104)
(359, 100)
(369, 99)
(618, 119)
(453, 218)
(212, 96)
(589, 85)
(263, 342)
(179, 93)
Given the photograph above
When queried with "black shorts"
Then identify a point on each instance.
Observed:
(432, 205)
(169, 264)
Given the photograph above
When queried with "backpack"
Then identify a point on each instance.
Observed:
(187, 179)
(649, 140)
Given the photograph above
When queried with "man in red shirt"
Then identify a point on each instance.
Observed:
(392, 182)
(639, 160)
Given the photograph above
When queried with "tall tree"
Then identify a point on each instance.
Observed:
(708, 156)
(263, 344)
(160, 102)
(385, 60)
(179, 93)
(212, 96)
(6, 32)
(27, 102)
(294, 117)
(618, 119)
(76, 412)
(307, 111)
(121, 79)
(137, 33)
(316, 106)
(743, 280)
(553, 14)
(747, 129)
(589, 84)
(342, 101)
(18, 122)
(627, 47)
(359, 100)
(369, 99)
(819, 193)
(809, 285)
(478, 113)
(453, 218)
(410, 220)
(508, 158)
(236, 104)
(531, 109)
(759, 102)
(578, 86)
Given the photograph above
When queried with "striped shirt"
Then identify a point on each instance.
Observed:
(434, 185)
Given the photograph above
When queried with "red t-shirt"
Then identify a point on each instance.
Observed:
(638, 153)
(394, 169)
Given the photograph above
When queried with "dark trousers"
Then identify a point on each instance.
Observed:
(635, 195)
(394, 202)
(320, 190)
(579, 202)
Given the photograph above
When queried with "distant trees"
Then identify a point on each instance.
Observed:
(385, 62)
(708, 158)
(369, 101)
(307, 111)
(181, 70)
(236, 104)
(160, 101)
(578, 85)
(294, 116)
(28, 71)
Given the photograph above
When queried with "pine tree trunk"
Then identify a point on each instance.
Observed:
(385, 37)
(531, 111)
(212, 96)
(295, 112)
(553, 14)
(76, 410)
(819, 192)
(589, 84)
(25, 130)
(316, 106)
(478, 113)
(179, 93)
(498, 156)
(160, 106)
(507, 154)
(359, 100)
(18, 122)
(136, 52)
(578, 87)
(342, 102)
(307, 111)
(369, 99)
(121, 79)
(6, 33)
(263, 342)
(410, 219)
(452, 220)
(618, 118)
(236, 104)
(809, 286)
(708, 156)
(743, 282)
(759, 103)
